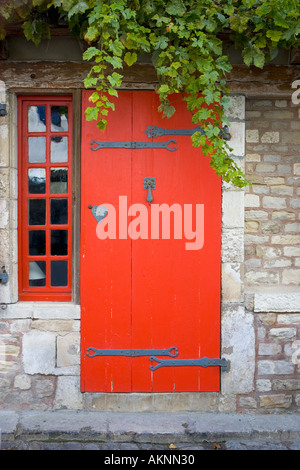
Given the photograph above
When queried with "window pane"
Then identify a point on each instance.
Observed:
(59, 273)
(59, 118)
(37, 242)
(59, 180)
(36, 180)
(59, 149)
(37, 273)
(59, 211)
(36, 211)
(36, 118)
(36, 149)
(59, 242)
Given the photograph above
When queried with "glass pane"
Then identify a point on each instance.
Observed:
(36, 149)
(36, 118)
(36, 180)
(59, 149)
(59, 180)
(59, 211)
(37, 242)
(36, 211)
(59, 118)
(59, 242)
(37, 273)
(59, 273)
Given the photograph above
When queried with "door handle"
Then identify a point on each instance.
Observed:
(149, 184)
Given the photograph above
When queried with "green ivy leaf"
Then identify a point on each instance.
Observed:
(130, 58)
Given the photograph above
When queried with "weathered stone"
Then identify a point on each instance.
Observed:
(252, 200)
(262, 277)
(270, 137)
(251, 226)
(44, 388)
(285, 240)
(282, 190)
(283, 333)
(68, 394)
(236, 109)
(68, 350)
(39, 352)
(238, 332)
(295, 227)
(286, 384)
(4, 146)
(22, 381)
(4, 213)
(283, 215)
(256, 214)
(275, 401)
(291, 276)
(233, 209)
(275, 367)
(232, 286)
(264, 385)
(269, 349)
(253, 157)
(272, 202)
(237, 140)
(288, 319)
(268, 252)
(252, 136)
(276, 302)
(232, 245)
(296, 169)
(248, 402)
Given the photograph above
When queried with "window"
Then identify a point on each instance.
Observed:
(45, 198)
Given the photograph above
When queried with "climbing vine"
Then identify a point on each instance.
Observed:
(183, 40)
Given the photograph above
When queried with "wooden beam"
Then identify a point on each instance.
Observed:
(273, 80)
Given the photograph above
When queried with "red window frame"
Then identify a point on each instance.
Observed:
(47, 292)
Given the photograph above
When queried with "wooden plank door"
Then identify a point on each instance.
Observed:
(154, 282)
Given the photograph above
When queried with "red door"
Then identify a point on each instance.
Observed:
(150, 270)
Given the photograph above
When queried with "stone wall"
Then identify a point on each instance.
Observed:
(40, 342)
(272, 203)
(272, 263)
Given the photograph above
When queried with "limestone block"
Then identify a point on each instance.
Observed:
(277, 302)
(273, 202)
(232, 283)
(263, 385)
(288, 319)
(232, 245)
(22, 381)
(39, 352)
(236, 108)
(237, 140)
(276, 401)
(252, 136)
(68, 350)
(297, 169)
(270, 137)
(68, 394)
(283, 333)
(4, 146)
(275, 367)
(233, 209)
(43, 310)
(4, 213)
(252, 200)
(291, 276)
(238, 343)
(4, 183)
(4, 248)
(269, 349)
